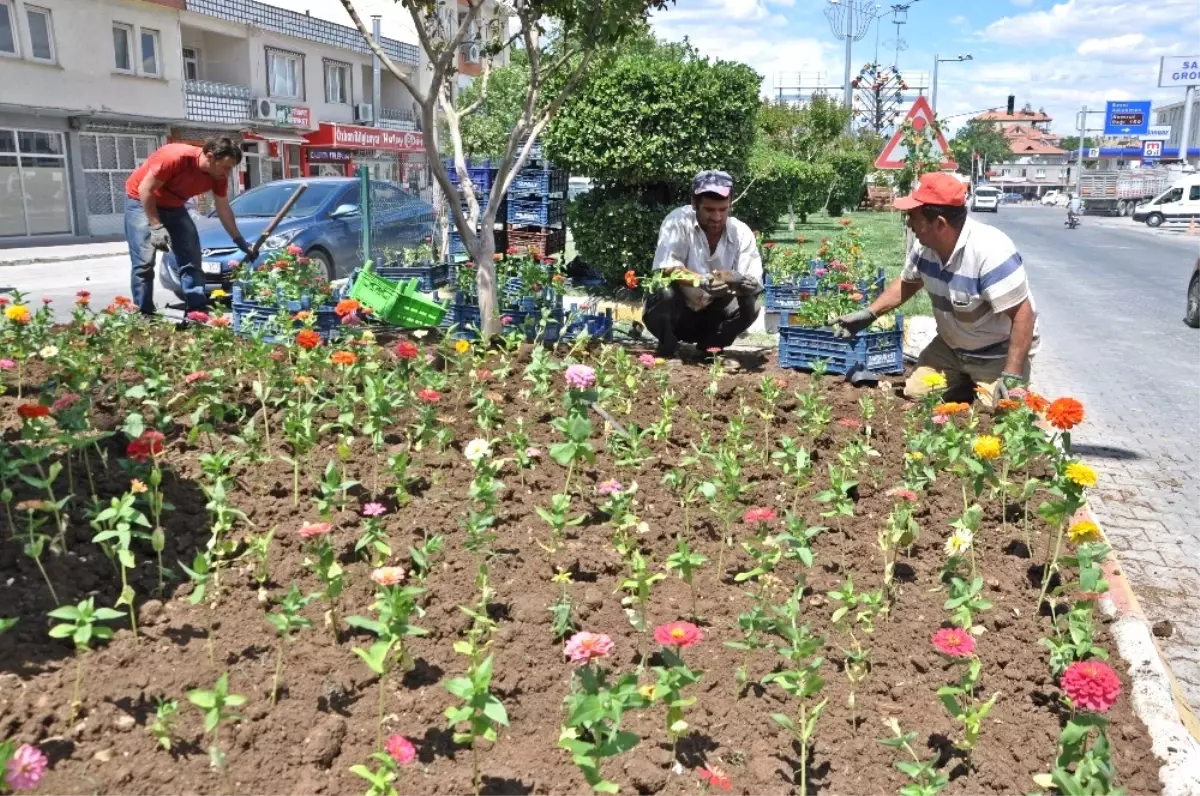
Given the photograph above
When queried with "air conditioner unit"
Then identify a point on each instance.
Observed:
(262, 108)
(472, 53)
(364, 112)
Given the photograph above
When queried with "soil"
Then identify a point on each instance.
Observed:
(325, 718)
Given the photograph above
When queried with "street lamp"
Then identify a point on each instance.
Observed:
(936, 61)
(850, 20)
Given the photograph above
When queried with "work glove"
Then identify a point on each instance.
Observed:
(723, 283)
(159, 238)
(241, 243)
(1007, 381)
(850, 325)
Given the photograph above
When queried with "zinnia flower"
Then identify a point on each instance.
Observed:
(903, 493)
(64, 402)
(462, 346)
(388, 576)
(48, 352)
(987, 447)
(218, 294)
(714, 776)
(192, 378)
(533, 453)
(820, 272)
(343, 358)
(940, 420)
(198, 316)
(850, 422)
(406, 349)
(959, 542)
(1081, 474)
(1005, 404)
(584, 647)
(678, 634)
(31, 411)
(1091, 685)
(221, 321)
(25, 768)
(311, 530)
(1083, 531)
(951, 408)
(148, 445)
(1065, 413)
(647, 360)
(351, 319)
(7, 364)
(83, 297)
(308, 339)
(137, 486)
(476, 450)
(755, 515)
(346, 306)
(17, 313)
(400, 749)
(955, 642)
(631, 279)
(429, 396)
(580, 377)
(374, 510)
(610, 487)
(934, 380)
(1036, 402)
(295, 250)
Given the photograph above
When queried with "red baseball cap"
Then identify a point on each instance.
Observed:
(935, 188)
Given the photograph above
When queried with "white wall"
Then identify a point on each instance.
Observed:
(223, 58)
(84, 78)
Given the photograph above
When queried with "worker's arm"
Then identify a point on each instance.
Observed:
(149, 184)
(894, 295)
(1020, 338)
(225, 213)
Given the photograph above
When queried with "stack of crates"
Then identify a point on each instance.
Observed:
(537, 206)
(482, 174)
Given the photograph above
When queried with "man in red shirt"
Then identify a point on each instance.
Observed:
(156, 216)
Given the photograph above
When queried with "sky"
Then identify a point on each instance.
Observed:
(1054, 54)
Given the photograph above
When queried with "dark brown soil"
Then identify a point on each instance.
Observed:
(325, 720)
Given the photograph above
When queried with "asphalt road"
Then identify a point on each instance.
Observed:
(105, 277)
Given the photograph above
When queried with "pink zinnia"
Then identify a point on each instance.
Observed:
(311, 530)
(758, 515)
(1091, 685)
(388, 576)
(221, 321)
(351, 319)
(400, 749)
(903, 493)
(850, 422)
(955, 642)
(198, 316)
(610, 487)
(47, 300)
(295, 250)
(25, 768)
(192, 378)
(713, 350)
(821, 271)
(1018, 393)
(533, 453)
(583, 647)
(64, 403)
(678, 634)
(647, 360)
(231, 263)
(940, 420)
(507, 320)
(7, 364)
(580, 377)
(429, 396)
(374, 510)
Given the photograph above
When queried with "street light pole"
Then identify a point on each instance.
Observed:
(933, 89)
(1079, 162)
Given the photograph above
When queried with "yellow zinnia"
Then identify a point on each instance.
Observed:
(462, 346)
(1083, 531)
(17, 313)
(1080, 474)
(934, 380)
(648, 692)
(987, 447)
(218, 293)
(916, 456)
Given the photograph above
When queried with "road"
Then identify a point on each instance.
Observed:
(105, 277)
(1111, 297)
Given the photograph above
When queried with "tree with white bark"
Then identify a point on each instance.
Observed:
(584, 31)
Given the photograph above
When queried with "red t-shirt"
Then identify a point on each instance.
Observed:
(177, 166)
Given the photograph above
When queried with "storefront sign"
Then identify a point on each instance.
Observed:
(293, 116)
(328, 156)
(346, 136)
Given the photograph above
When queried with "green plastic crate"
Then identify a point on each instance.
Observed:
(395, 303)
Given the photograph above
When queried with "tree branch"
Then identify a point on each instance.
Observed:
(483, 89)
(383, 57)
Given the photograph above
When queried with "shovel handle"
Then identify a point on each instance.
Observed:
(270, 228)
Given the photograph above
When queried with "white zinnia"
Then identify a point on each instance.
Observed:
(958, 542)
(48, 352)
(477, 449)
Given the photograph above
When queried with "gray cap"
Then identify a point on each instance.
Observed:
(718, 182)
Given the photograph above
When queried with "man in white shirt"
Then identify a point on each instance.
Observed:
(722, 300)
(986, 320)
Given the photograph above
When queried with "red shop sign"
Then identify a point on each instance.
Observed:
(347, 136)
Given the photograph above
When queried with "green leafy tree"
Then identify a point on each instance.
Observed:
(983, 137)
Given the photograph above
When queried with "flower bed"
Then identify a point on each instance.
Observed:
(429, 566)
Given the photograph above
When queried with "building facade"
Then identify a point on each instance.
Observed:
(1173, 115)
(1037, 164)
(89, 88)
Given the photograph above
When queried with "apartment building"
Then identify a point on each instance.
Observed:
(89, 88)
(1037, 163)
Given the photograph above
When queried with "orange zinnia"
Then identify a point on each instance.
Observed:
(343, 358)
(346, 306)
(1036, 402)
(952, 408)
(1005, 404)
(308, 339)
(1065, 413)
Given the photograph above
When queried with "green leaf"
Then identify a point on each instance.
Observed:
(202, 699)
(135, 424)
(495, 711)
(784, 721)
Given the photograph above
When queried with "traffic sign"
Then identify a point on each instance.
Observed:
(893, 154)
(1094, 152)
(1179, 72)
(1160, 131)
(1126, 118)
(1151, 151)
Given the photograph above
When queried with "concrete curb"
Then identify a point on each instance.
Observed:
(66, 259)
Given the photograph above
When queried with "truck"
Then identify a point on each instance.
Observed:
(1117, 193)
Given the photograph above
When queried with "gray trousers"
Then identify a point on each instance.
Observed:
(668, 317)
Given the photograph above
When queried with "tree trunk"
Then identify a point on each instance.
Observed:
(791, 217)
(485, 276)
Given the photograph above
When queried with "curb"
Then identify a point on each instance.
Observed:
(66, 259)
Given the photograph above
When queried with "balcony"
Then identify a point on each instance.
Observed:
(220, 103)
(396, 119)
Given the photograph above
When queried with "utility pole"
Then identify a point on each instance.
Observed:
(376, 69)
(1079, 162)
(1189, 96)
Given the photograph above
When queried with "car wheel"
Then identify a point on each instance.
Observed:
(1192, 318)
(324, 264)
(1154, 220)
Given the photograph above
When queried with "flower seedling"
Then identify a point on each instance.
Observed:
(166, 714)
(480, 710)
(321, 560)
(557, 517)
(924, 778)
(901, 531)
(115, 527)
(959, 646)
(965, 601)
(561, 621)
(620, 512)
(687, 564)
(373, 537)
(286, 619)
(794, 462)
(215, 705)
(674, 675)
(80, 625)
(398, 752)
(855, 610)
(35, 540)
(638, 584)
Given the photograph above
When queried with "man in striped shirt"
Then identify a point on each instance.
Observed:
(986, 321)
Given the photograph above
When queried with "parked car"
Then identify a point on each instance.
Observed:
(1192, 318)
(326, 223)
(1013, 198)
(1050, 197)
(986, 198)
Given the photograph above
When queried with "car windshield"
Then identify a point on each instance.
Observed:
(992, 192)
(267, 200)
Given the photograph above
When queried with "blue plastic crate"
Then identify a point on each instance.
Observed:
(429, 277)
(787, 296)
(275, 319)
(539, 181)
(537, 212)
(480, 173)
(879, 352)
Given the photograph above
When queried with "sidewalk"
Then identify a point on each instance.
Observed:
(62, 254)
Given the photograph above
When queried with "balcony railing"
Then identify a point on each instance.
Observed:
(396, 119)
(222, 103)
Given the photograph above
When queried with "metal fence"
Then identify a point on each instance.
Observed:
(393, 218)
(108, 160)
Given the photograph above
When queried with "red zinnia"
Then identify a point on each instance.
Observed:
(1036, 403)
(1091, 685)
(192, 378)
(429, 396)
(678, 634)
(308, 339)
(955, 642)
(221, 321)
(31, 410)
(1065, 413)
(146, 446)
(846, 286)
(714, 776)
(758, 515)
(295, 250)
(631, 279)
(850, 422)
(311, 530)
(903, 493)
(406, 349)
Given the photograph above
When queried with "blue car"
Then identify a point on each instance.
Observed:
(326, 223)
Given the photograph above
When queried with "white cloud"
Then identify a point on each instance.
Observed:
(1084, 18)
(1125, 43)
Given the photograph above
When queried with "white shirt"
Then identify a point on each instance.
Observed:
(984, 278)
(683, 244)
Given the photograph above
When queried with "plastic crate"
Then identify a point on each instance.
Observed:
(429, 277)
(479, 173)
(879, 352)
(544, 242)
(459, 249)
(539, 181)
(537, 212)
(275, 320)
(395, 303)
(786, 296)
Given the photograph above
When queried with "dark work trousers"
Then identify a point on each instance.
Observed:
(668, 317)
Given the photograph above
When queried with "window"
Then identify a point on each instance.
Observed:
(1194, 193)
(337, 82)
(8, 29)
(150, 60)
(41, 34)
(191, 63)
(123, 48)
(1041, 172)
(285, 74)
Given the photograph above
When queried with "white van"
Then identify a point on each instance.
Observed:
(985, 197)
(1180, 202)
